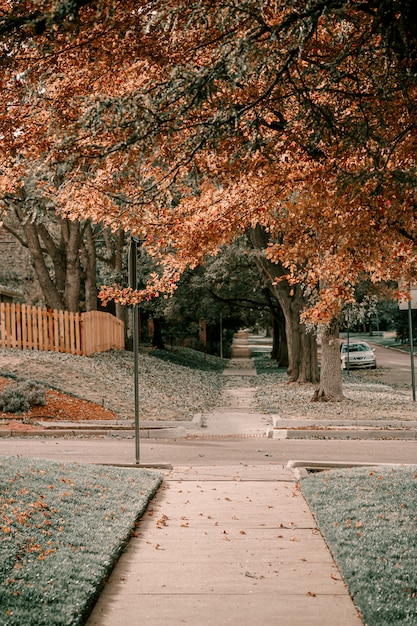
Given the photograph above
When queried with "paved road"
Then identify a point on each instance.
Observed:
(397, 362)
(393, 367)
(216, 451)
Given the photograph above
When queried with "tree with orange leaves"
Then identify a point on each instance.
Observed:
(294, 120)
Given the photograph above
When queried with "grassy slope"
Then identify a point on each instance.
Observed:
(369, 520)
(173, 384)
(63, 527)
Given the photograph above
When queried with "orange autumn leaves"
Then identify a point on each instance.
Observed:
(301, 122)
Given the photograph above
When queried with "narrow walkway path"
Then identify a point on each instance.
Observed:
(238, 414)
(227, 544)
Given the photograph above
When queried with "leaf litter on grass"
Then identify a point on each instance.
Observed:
(166, 390)
(364, 400)
(63, 527)
(369, 520)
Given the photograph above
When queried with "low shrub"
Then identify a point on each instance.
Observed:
(20, 397)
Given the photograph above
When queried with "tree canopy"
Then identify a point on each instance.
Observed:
(189, 122)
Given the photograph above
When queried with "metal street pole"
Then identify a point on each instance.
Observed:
(348, 349)
(221, 336)
(133, 283)
(403, 305)
(410, 332)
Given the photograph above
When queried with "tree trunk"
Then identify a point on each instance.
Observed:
(63, 254)
(121, 310)
(280, 346)
(276, 340)
(71, 234)
(89, 261)
(53, 297)
(330, 388)
(57, 256)
(157, 340)
(302, 346)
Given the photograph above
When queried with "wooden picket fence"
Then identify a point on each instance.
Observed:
(36, 328)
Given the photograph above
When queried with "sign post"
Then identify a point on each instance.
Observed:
(410, 330)
(133, 283)
(221, 336)
(410, 305)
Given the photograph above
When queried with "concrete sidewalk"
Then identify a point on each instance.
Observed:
(226, 545)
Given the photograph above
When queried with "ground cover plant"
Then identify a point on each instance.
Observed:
(368, 517)
(22, 396)
(63, 526)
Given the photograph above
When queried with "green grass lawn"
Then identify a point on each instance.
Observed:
(63, 527)
(369, 520)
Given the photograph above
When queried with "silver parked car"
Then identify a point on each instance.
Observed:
(359, 353)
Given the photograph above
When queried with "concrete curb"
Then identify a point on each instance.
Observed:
(349, 433)
(181, 432)
(145, 433)
(301, 469)
(289, 423)
(148, 429)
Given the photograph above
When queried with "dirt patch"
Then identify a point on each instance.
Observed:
(59, 406)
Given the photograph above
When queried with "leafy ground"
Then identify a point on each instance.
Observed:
(369, 520)
(167, 390)
(63, 526)
(366, 398)
(175, 385)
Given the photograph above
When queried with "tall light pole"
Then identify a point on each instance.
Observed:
(133, 283)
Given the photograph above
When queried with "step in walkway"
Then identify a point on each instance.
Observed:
(237, 415)
(226, 545)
